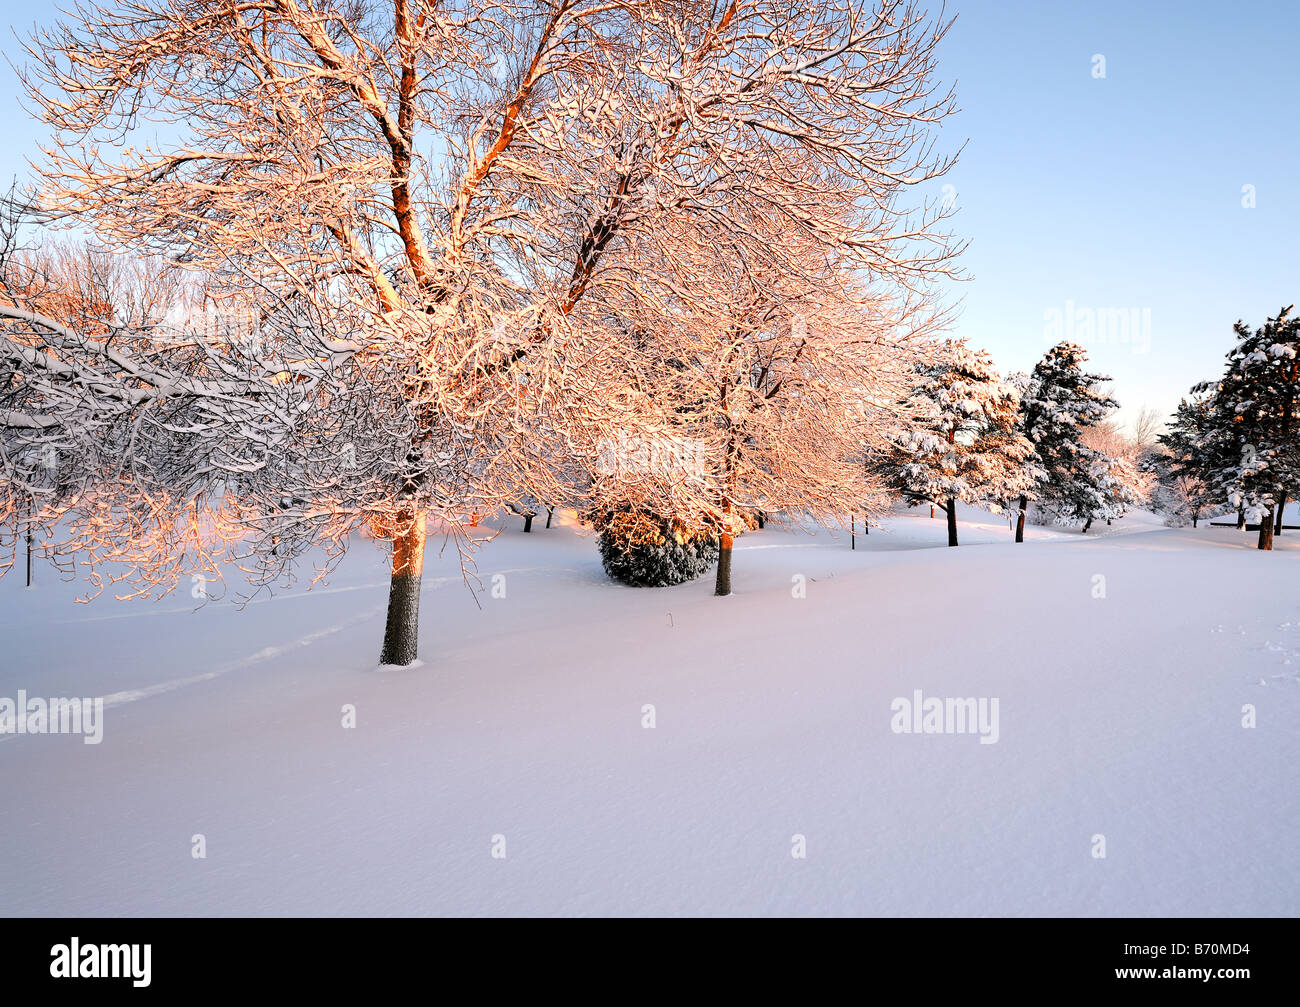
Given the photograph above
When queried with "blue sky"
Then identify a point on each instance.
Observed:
(1125, 191)
(1083, 194)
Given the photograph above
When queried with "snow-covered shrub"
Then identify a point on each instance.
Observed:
(647, 550)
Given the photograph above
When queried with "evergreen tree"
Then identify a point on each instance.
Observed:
(961, 443)
(647, 550)
(1186, 469)
(1059, 400)
(1104, 485)
(1253, 411)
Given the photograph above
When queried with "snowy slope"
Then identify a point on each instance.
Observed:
(1119, 716)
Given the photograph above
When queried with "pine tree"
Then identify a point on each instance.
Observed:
(1253, 409)
(1108, 485)
(961, 443)
(1059, 400)
(1190, 460)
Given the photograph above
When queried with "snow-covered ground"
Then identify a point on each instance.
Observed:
(1121, 663)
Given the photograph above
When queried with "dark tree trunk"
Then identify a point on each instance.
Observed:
(1193, 520)
(1086, 525)
(1266, 531)
(853, 538)
(1020, 520)
(528, 522)
(723, 585)
(402, 631)
(550, 513)
(1281, 509)
(866, 525)
(762, 521)
(29, 551)
(952, 521)
(1241, 518)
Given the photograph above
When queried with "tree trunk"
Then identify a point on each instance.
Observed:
(550, 513)
(1241, 518)
(931, 510)
(1266, 531)
(1281, 509)
(723, 586)
(1020, 520)
(29, 549)
(402, 632)
(1086, 525)
(762, 521)
(1193, 520)
(853, 538)
(952, 521)
(528, 522)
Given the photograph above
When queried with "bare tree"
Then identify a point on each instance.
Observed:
(95, 293)
(763, 389)
(1146, 429)
(406, 204)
